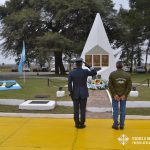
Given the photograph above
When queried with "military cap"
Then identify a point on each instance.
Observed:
(79, 60)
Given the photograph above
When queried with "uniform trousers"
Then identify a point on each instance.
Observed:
(79, 110)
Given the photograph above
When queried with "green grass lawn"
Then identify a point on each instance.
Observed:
(56, 110)
(138, 111)
(36, 86)
(143, 90)
(5, 69)
(33, 87)
(144, 94)
(139, 77)
(68, 110)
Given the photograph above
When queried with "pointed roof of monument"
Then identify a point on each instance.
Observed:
(97, 36)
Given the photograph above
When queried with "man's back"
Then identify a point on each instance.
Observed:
(121, 82)
(78, 77)
(119, 85)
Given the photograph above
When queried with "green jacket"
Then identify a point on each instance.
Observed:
(119, 83)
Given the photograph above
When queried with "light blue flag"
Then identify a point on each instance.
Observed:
(22, 60)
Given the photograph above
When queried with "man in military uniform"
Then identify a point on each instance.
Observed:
(119, 85)
(77, 86)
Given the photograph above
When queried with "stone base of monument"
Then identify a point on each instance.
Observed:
(37, 105)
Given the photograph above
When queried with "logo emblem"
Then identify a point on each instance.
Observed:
(123, 139)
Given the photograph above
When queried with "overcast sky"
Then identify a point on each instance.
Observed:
(124, 3)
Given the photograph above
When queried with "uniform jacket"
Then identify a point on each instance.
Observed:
(119, 83)
(77, 82)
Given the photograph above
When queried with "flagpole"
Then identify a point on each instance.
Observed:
(22, 61)
(24, 77)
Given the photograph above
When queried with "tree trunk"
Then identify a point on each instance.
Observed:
(132, 58)
(59, 67)
(147, 52)
(128, 57)
(139, 54)
(56, 63)
(69, 62)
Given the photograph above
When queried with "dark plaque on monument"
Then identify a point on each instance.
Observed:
(88, 59)
(96, 60)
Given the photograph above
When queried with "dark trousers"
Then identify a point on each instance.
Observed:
(79, 110)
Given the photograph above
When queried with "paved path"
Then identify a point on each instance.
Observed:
(60, 134)
(98, 105)
(98, 98)
(138, 104)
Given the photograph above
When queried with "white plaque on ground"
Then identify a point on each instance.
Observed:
(38, 105)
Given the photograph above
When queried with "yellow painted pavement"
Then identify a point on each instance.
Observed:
(60, 134)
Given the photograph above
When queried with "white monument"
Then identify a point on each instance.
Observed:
(38, 105)
(97, 50)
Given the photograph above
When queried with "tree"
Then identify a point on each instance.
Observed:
(143, 8)
(19, 23)
(130, 36)
(58, 44)
(74, 19)
(69, 21)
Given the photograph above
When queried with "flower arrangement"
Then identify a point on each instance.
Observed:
(97, 84)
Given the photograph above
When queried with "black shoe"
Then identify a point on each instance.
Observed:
(82, 126)
(115, 127)
(77, 126)
(121, 127)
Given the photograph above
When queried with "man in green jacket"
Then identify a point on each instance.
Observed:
(120, 85)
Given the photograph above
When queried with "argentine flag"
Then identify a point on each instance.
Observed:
(22, 60)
